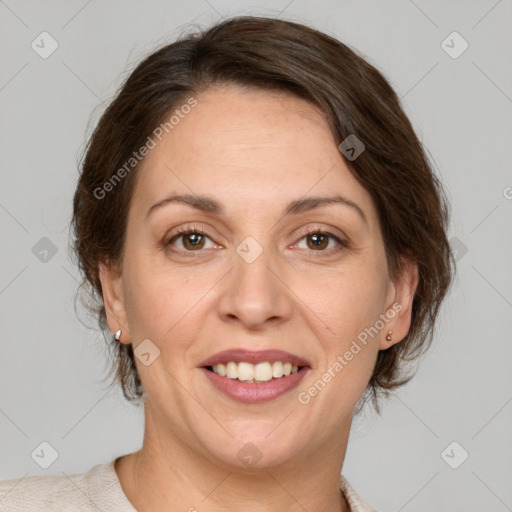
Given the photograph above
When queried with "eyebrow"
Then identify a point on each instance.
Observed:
(210, 205)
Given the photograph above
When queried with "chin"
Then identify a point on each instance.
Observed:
(256, 447)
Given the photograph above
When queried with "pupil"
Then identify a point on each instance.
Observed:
(193, 241)
(318, 240)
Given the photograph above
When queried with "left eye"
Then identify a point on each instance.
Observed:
(319, 240)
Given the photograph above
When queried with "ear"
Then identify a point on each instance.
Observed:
(401, 297)
(113, 298)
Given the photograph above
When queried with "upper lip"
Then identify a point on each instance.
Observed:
(239, 355)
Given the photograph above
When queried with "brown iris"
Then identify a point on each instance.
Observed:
(320, 241)
(196, 241)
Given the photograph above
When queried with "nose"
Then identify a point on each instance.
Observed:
(255, 293)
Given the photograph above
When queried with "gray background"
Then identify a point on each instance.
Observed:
(51, 366)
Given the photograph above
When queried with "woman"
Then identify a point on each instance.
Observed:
(263, 233)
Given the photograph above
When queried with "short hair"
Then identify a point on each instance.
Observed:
(274, 55)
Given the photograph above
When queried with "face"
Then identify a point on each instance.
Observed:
(264, 268)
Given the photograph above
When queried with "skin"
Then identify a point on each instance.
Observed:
(254, 152)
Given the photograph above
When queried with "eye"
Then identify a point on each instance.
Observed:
(193, 239)
(318, 240)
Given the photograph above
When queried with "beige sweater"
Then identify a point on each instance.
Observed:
(97, 490)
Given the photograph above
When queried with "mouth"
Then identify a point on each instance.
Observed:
(251, 377)
(255, 373)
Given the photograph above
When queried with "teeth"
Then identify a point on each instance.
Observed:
(245, 371)
(261, 372)
(232, 370)
(277, 369)
(221, 369)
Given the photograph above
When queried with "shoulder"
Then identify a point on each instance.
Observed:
(96, 489)
(355, 502)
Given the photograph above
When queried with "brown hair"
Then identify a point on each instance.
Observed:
(273, 54)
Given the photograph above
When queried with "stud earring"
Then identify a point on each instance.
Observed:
(388, 337)
(117, 335)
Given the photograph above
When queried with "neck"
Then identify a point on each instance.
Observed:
(167, 471)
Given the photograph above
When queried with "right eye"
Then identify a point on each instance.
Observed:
(193, 239)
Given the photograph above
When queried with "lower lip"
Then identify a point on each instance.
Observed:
(255, 392)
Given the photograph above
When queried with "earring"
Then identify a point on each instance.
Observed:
(388, 337)
(117, 335)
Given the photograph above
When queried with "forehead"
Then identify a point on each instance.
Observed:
(247, 147)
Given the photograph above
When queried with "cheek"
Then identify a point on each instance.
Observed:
(345, 302)
(345, 307)
(161, 301)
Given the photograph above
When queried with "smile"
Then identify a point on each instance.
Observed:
(254, 373)
(255, 391)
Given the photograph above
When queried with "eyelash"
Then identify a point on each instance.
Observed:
(342, 244)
